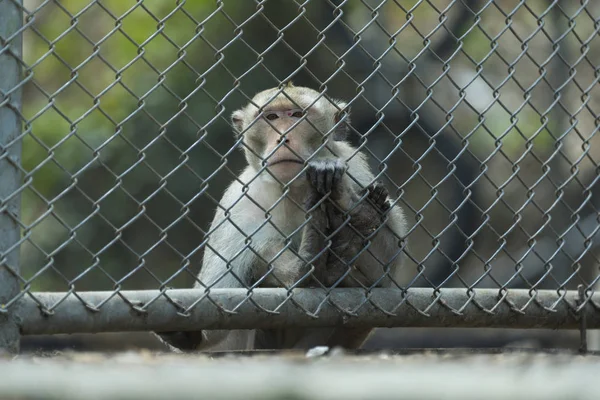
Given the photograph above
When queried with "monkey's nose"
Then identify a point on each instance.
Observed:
(282, 139)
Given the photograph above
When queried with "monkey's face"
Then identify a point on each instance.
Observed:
(283, 138)
(282, 132)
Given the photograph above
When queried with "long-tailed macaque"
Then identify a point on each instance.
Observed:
(299, 164)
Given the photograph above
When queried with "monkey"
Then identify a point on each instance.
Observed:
(299, 165)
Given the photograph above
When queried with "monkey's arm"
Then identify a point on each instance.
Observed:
(376, 222)
(312, 252)
(357, 218)
(325, 176)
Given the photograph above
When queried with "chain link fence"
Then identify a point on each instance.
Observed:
(116, 146)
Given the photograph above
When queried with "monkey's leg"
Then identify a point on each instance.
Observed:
(184, 340)
(349, 338)
(190, 341)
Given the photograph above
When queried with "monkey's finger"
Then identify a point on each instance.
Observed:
(340, 168)
(329, 175)
(311, 175)
(383, 190)
(310, 201)
(379, 195)
(321, 175)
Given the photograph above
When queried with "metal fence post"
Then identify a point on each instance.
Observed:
(10, 155)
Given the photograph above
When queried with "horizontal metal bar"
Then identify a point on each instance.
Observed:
(71, 315)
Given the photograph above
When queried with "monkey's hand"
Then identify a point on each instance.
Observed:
(325, 175)
(379, 197)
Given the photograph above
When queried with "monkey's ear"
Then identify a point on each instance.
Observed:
(341, 131)
(237, 120)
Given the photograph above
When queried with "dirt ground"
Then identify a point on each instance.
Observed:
(414, 374)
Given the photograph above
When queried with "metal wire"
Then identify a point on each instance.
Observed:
(479, 117)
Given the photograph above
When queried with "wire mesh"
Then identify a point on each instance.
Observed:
(478, 118)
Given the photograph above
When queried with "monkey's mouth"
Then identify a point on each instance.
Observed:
(285, 160)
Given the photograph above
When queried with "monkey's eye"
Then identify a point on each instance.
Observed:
(271, 117)
(298, 114)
